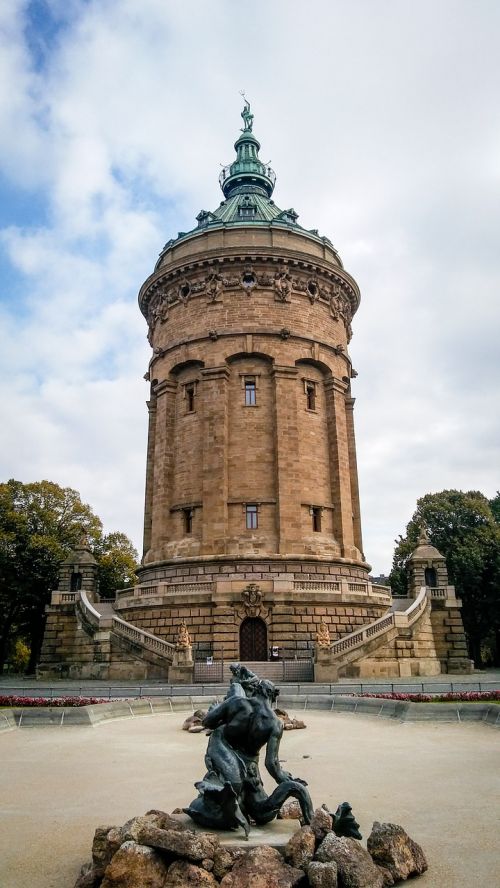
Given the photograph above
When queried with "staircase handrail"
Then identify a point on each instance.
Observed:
(381, 626)
(87, 609)
(140, 636)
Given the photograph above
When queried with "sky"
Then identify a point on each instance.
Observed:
(380, 118)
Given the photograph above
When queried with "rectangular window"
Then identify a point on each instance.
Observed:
(316, 518)
(189, 394)
(250, 391)
(311, 395)
(251, 517)
(188, 520)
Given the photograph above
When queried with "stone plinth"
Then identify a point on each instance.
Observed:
(273, 835)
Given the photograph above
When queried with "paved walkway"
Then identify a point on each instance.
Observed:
(439, 781)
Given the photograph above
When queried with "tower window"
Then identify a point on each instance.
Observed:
(251, 513)
(250, 391)
(187, 515)
(310, 388)
(189, 394)
(316, 518)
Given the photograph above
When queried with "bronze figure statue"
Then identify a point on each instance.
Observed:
(231, 793)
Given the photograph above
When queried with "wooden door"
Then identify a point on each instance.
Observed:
(253, 640)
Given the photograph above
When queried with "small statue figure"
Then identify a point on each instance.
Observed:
(183, 638)
(323, 636)
(246, 115)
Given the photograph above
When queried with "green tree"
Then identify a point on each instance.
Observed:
(118, 562)
(40, 523)
(463, 528)
(495, 507)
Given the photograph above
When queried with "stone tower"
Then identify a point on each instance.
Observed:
(252, 532)
(251, 467)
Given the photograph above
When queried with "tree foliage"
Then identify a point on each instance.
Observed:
(40, 523)
(117, 561)
(463, 528)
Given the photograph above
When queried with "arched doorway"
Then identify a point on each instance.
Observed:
(253, 639)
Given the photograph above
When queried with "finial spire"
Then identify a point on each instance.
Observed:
(247, 174)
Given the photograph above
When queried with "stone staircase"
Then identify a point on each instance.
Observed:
(100, 617)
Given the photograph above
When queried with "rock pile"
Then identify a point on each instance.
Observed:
(157, 851)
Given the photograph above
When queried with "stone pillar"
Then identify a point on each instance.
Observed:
(214, 398)
(287, 460)
(165, 393)
(340, 467)
(353, 472)
(150, 463)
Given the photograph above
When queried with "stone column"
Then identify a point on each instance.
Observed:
(214, 399)
(340, 467)
(288, 517)
(148, 497)
(165, 393)
(353, 471)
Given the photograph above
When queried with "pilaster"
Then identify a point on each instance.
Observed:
(287, 459)
(150, 464)
(353, 473)
(340, 466)
(214, 398)
(165, 393)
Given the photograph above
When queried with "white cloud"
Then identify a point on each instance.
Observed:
(380, 121)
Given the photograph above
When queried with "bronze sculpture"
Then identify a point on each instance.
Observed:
(232, 794)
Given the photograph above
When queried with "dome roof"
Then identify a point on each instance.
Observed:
(247, 184)
(424, 550)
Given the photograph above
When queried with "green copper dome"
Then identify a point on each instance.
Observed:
(247, 185)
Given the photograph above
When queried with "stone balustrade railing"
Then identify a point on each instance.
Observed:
(382, 626)
(159, 590)
(142, 638)
(87, 610)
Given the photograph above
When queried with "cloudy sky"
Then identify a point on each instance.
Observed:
(381, 120)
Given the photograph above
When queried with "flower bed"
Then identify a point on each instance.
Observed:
(11, 700)
(450, 697)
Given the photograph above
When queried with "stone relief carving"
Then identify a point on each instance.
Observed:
(283, 286)
(251, 603)
(214, 286)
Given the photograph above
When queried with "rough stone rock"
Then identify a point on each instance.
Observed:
(135, 866)
(356, 868)
(388, 879)
(299, 850)
(87, 877)
(163, 820)
(290, 810)
(224, 860)
(107, 840)
(186, 843)
(294, 724)
(194, 720)
(182, 874)
(391, 847)
(322, 875)
(321, 824)
(262, 867)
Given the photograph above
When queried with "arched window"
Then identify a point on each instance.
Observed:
(253, 640)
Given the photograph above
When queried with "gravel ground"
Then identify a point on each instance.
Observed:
(439, 781)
